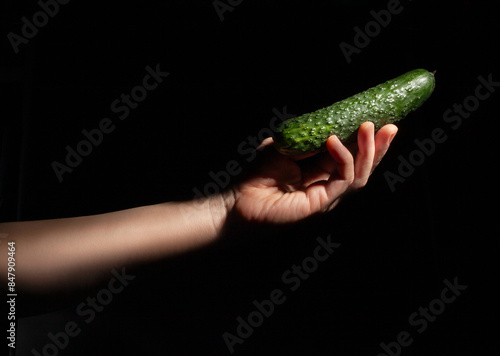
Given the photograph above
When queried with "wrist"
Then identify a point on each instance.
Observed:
(214, 210)
(221, 205)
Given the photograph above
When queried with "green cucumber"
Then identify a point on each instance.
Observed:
(386, 103)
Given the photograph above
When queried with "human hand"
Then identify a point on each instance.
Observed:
(283, 192)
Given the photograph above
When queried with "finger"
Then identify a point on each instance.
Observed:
(366, 153)
(344, 176)
(266, 142)
(323, 195)
(383, 139)
(319, 167)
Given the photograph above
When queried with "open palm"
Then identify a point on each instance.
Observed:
(282, 191)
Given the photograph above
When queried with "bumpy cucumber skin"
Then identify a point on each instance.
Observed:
(386, 103)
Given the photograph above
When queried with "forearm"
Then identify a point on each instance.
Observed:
(51, 253)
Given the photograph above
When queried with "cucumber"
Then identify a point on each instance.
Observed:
(386, 103)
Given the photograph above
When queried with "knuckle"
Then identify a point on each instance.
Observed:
(359, 184)
(350, 181)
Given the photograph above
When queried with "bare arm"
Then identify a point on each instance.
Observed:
(60, 253)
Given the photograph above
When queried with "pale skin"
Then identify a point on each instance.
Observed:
(66, 253)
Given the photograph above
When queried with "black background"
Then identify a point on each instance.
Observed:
(226, 77)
